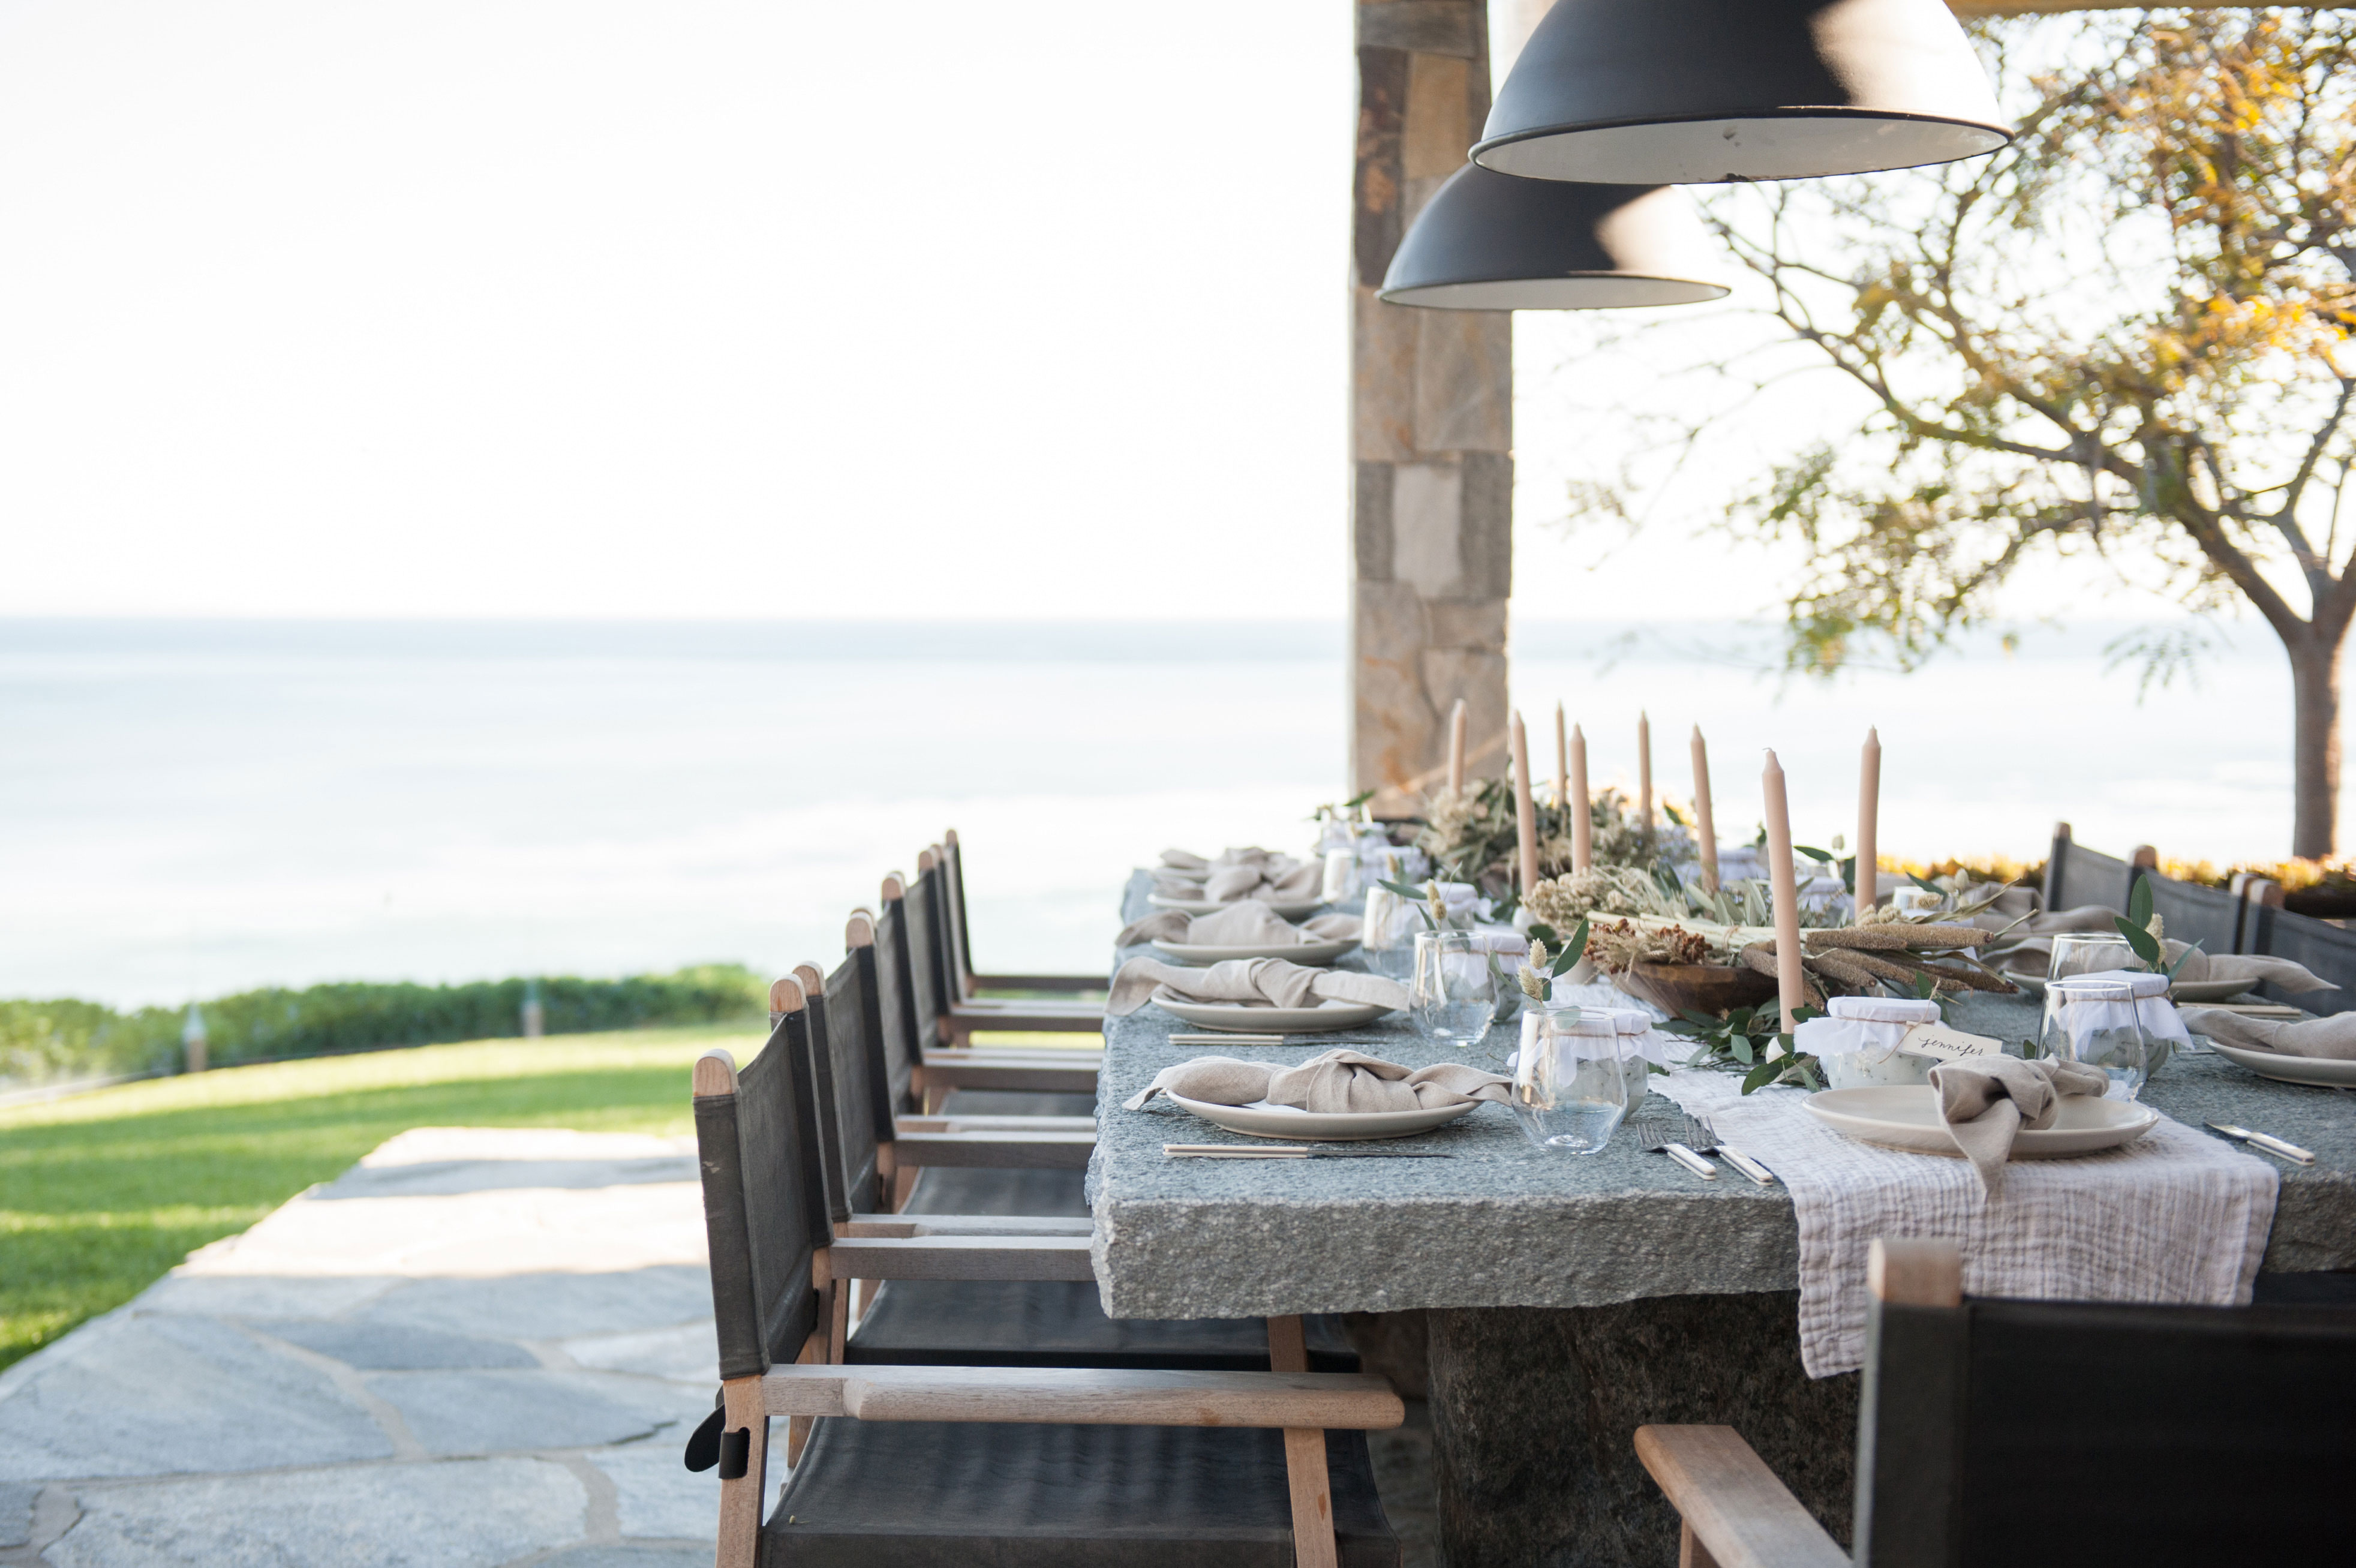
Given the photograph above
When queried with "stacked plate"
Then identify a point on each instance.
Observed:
(2322, 1072)
(1292, 953)
(1290, 1123)
(1291, 910)
(1237, 1019)
(1907, 1117)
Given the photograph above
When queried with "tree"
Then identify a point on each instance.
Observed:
(2126, 333)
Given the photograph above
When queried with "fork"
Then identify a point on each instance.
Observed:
(1705, 1140)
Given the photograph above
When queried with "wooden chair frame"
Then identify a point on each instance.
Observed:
(964, 1012)
(970, 985)
(1301, 1403)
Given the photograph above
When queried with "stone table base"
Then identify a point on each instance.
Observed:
(1535, 1412)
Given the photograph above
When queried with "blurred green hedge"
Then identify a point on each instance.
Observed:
(63, 1038)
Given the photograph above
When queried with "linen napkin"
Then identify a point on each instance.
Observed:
(1247, 981)
(2249, 968)
(1338, 1080)
(1281, 878)
(2332, 1037)
(1986, 1102)
(1250, 924)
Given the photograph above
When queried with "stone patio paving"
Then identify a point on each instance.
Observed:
(477, 1347)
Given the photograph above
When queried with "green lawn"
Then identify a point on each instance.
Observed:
(101, 1193)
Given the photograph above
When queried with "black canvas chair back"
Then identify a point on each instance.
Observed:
(2327, 950)
(2032, 1434)
(897, 1018)
(839, 1042)
(2075, 877)
(2192, 913)
(953, 915)
(764, 1209)
(928, 986)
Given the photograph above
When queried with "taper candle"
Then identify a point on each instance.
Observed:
(1705, 826)
(1869, 824)
(1788, 981)
(1456, 723)
(1526, 810)
(1582, 828)
(1644, 772)
(1561, 761)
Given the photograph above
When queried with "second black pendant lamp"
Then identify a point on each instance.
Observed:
(1489, 241)
(1700, 91)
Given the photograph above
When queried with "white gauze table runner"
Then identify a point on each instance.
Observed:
(2176, 1216)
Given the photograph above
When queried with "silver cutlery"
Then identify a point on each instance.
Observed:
(1292, 1152)
(2268, 1142)
(1653, 1137)
(1705, 1138)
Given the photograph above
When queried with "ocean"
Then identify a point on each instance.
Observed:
(189, 808)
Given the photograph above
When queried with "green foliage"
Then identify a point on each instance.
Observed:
(1741, 1042)
(100, 1193)
(64, 1038)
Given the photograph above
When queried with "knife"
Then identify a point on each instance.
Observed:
(2272, 1145)
(1292, 1152)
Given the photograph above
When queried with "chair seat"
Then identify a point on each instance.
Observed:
(1015, 1102)
(992, 1495)
(956, 1189)
(1052, 1322)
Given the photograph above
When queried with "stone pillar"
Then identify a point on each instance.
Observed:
(1431, 397)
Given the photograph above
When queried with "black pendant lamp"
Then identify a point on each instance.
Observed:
(1700, 91)
(1489, 241)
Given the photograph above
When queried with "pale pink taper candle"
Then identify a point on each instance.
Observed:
(1582, 829)
(1869, 824)
(1457, 720)
(1705, 826)
(1644, 771)
(1526, 810)
(1788, 979)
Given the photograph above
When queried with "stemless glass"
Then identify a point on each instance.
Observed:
(1454, 990)
(1386, 934)
(1571, 1082)
(2085, 952)
(2092, 1021)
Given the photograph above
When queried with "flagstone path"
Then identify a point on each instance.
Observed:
(477, 1347)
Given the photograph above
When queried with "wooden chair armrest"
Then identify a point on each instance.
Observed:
(996, 1151)
(967, 1225)
(1013, 1020)
(995, 1124)
(1096, 982)
(1027, 1077)
(1095, 1396)
(960, 1258)
(1019, 1056)
(1060, 1006)
(1736, 1514)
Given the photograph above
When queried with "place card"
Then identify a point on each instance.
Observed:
(1941, 1044)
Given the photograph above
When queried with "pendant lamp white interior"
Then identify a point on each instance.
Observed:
(1490, 242)
(1702, 92)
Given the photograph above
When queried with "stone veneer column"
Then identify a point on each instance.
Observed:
(1431, 396)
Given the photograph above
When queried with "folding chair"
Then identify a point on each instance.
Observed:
(961, 1016)
(2054, 1435)
(969, 985)
(926, 1467)
(942, 1059)
(1044, 1323)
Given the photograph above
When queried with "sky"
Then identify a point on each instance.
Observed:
(578, 308)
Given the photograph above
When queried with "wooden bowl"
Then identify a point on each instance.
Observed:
(1712, 988)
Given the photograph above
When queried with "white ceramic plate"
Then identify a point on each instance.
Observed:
(1908, 1118)
(1292, 911)
(2321, 1071)
(1240, 1020)
(1293, 1124)
(1297, 952)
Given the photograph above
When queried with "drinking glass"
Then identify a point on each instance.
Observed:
(1454, 990)
(1387, 934)
(2093, 1023)
(1570, 1081)
(2082, 952)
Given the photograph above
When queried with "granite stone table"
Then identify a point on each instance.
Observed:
(1565, 1300)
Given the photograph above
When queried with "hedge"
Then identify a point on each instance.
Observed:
(69, 1038)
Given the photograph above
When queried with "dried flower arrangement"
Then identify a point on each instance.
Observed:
(1473, 835)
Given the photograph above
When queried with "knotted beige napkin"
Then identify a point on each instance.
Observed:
(1247, 981)
(1250, 924)
(1986, 1102)
(1340, 1080)
(2248, 968)
(2332, 1037)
